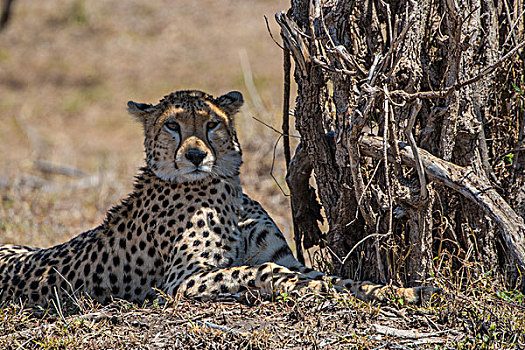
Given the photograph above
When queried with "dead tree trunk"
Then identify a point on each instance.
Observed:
(439, 84)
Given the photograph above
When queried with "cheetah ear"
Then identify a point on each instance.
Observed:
(231, 102)
(140, 110)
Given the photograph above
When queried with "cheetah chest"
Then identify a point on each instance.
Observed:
(196, 227)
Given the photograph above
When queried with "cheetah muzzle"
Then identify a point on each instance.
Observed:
(186, 228)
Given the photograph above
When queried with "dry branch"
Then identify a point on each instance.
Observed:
(293, 40)
(459, 85)
(402, 333)
(465, 182)
(286, 107)
(54, 169)
(413, 146)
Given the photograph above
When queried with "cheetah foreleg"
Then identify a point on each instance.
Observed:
(368, 291)
(267, 279)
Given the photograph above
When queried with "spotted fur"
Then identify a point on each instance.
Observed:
(186, 228)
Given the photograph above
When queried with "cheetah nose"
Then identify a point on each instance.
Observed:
(195, 156)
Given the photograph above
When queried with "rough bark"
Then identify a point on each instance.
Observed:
(444, 173)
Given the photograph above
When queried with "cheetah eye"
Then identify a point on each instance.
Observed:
(212, 125)
(172, 126)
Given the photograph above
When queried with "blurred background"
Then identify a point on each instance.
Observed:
(68, 148)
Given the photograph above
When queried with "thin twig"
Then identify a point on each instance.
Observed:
(393, 48)
(273, 165)
(507, 12)
(396, 43)
(413, 146)
(457, 86)
(371, 77)
(275, 152)
(334, 254)
(340, 50)
(380, 266)
(286, 106)
(391, 129)
(359, 243)
(513, 27)
(385, 157)
(270, 32)
(331, 41)
(518, 148)
(362, 195)
(274, 129)
(333, 69)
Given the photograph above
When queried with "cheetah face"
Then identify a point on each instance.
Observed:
(189, 135)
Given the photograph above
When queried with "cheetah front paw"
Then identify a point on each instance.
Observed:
(419, 295)
(297, 285)
(368, 291)
(315, 286)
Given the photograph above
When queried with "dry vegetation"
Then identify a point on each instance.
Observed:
(67, 69)
(312, 321)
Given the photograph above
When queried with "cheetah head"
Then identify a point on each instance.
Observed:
(189, 135)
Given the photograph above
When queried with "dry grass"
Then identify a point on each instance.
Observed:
(67, 69)
(312, 321)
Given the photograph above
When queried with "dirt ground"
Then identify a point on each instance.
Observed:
(69, 151)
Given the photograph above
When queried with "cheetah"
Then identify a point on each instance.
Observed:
(186, 228)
